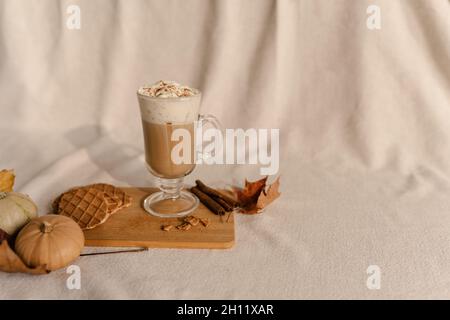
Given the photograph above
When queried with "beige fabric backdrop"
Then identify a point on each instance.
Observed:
(365, 137)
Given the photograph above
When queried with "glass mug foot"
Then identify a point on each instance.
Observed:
(171, 201)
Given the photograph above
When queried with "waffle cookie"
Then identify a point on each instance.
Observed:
(117, 199)
(86, 206)
(121, 198)
(91, 205)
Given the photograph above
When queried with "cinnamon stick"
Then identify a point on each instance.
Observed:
(209, 202)
(216, 194)
(224, 204)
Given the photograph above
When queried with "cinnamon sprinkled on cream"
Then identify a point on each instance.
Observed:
(167, 89)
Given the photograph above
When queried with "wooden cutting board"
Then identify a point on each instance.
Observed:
(133, 227)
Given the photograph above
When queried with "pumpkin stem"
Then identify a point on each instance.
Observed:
(3, 195)
(46, 227)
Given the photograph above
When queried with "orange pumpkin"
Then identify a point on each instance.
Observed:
(53, 241)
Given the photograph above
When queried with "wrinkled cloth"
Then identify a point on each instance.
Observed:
(364, 138)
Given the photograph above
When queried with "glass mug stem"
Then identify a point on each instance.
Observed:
(171, 188)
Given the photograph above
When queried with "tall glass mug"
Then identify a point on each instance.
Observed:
(161, 117)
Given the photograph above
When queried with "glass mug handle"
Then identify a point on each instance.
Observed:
(203, 120)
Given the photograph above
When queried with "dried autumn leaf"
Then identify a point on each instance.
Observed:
(255, 196)
(248, 196)
(6, 180)
(269, 195)
(10, 262)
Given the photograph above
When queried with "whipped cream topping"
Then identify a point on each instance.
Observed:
(167, 89)
(163, 109)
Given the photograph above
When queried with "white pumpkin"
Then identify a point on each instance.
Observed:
(16, 210)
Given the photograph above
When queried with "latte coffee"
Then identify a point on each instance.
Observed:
(158, 148)
(165, 107)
